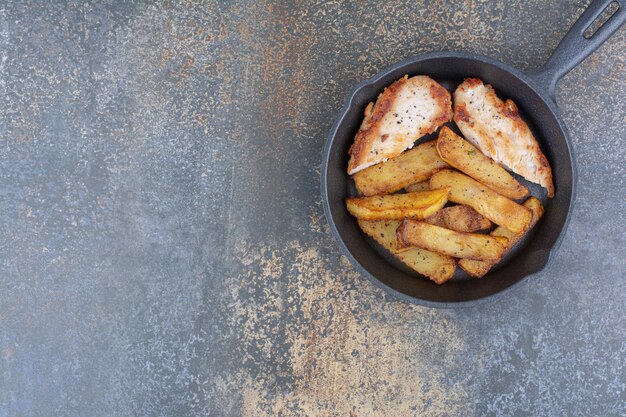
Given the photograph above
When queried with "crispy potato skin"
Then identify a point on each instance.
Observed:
(478, 269)
(412, 166)
(427, 236)
(468, 159)
(417, 205)
(439, 268)
(497, 208)
(460, 219)
(418, 186)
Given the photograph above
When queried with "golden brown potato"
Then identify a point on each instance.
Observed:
(435, 266)
(412, 166)
(418, 186)
(467, 158)
(414, 233)
(417, 205)
(459, 218)
(478, 269)
(497, 208)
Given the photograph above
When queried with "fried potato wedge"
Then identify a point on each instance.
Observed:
(412, 166)
(417, 205)
(495, 207)
(460, 219)
(465, 157)
(418, 186)
(413, 233)
(435, 266)
(478, 269)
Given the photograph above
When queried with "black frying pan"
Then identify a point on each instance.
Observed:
(534, 93)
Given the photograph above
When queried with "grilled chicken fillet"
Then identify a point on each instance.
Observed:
(495, 127)
(404, 112)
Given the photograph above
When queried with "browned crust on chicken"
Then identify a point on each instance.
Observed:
(461, 115)
(472, 82)
(372, 146)
(506, 138)
(444, 101)
(373, 114)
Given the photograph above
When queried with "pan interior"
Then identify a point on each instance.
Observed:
(529, 256)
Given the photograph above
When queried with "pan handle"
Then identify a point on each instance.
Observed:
(575, 46)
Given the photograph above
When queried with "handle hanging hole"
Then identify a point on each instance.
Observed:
(602, 18)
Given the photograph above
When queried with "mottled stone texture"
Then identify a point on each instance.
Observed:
(163, 249)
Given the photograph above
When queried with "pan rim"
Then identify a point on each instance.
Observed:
(347, 105)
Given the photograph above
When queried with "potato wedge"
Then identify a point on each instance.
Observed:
(497, 208)
(418, 186)
(413, 233)
(460, 219)
(478, 269)
(412, 166)
(435, 266)
(468, 159)
(417, 205)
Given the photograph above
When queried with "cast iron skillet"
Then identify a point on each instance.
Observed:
(534, 93)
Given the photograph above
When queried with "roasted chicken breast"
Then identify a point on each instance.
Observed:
(495, 127)
(405, 111)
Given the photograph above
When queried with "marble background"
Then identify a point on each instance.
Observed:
(163, 248)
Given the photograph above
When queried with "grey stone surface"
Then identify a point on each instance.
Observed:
(163, 249)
